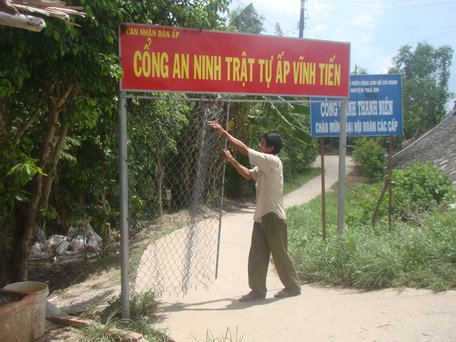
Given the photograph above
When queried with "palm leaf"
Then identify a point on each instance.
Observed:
(290, 118)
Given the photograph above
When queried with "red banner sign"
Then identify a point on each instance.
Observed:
(157, 58)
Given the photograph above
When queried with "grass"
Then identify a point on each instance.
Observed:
(418, 255)
(296, 181)
(227, 336)
(109, 326)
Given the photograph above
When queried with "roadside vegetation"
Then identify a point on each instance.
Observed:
(418, 250)
(109, 326)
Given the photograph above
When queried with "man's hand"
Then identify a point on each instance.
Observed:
(216, 126)
(237, 144)
(241, 169)
(227, 155)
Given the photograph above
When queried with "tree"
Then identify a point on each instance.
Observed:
(278, 30)
(359, 70)
(246, 20)
(58, 98)
(425, 74)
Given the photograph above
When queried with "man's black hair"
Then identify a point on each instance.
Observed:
(273, 139)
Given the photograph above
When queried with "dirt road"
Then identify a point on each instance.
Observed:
(319, 314)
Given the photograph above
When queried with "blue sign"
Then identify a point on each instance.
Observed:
(374, 108)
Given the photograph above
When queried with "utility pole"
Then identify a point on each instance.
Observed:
(301, 20)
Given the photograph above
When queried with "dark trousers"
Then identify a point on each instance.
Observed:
(270, 237)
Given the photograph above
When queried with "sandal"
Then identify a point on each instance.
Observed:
(252, 295)
(284, 293)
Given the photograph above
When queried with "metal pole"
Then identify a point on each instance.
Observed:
(301, 20)
(323, 191)
(342, 156)
(124, 245)
(390, 180)
(379, 202)
(222, 198)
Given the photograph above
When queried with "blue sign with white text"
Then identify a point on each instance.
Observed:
(374, 108)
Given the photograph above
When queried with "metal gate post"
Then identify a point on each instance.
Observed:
(342, 156)
(124, 239)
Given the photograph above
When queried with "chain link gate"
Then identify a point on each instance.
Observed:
(175, 198)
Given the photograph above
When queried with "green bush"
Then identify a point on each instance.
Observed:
(419, 188)
(362, 201)
(371, 157)
(297, 158)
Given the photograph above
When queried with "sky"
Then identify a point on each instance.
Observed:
(375, 29)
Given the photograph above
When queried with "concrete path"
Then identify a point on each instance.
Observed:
(319, 314)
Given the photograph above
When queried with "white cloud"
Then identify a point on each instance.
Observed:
(363, 21)
(320, 30)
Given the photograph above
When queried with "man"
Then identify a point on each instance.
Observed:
(269, 235)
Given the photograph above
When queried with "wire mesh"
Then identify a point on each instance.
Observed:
(175, 188)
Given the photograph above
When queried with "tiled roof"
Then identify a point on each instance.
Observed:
(437, 145)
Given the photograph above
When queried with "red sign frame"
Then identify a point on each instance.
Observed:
(159, 58)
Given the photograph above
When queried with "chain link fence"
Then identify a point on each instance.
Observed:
(175, 177)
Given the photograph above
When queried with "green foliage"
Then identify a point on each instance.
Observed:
(418, 188)
(26, 171)
(297, 158)
(371, 157)
(109, 326)
(422, 255)
(292, 121)
(59, 104)
(246, 20)
(362, 201)
(107, 332)
(278, 30)
(156, 127)
(425, 74)
(143, 304)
